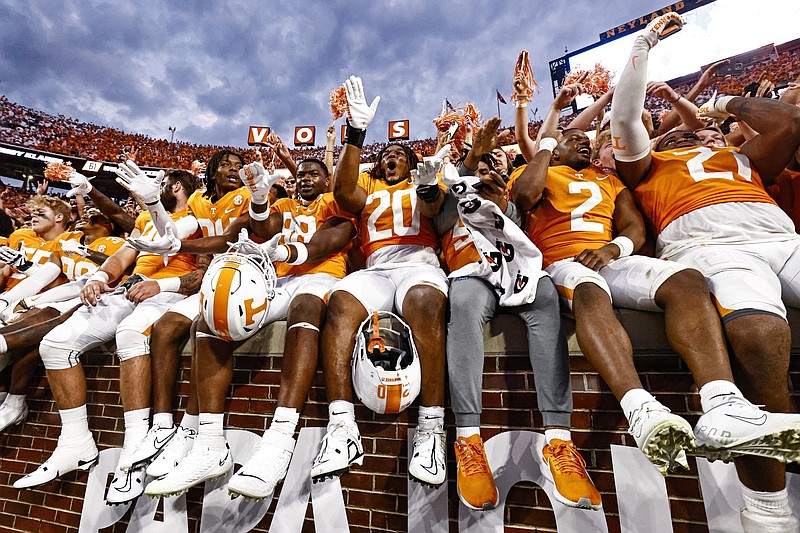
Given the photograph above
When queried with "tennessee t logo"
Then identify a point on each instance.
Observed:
(616, 145)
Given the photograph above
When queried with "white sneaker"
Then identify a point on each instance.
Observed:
(172, 453)
(662, 27)
(209, 459)
(265, 469)
(127, 485)
(766, 523)
(662, 436)
(11, 415)
(737, 427)
(429, 457)
(150, 446)
(341, 447)
(67, 456)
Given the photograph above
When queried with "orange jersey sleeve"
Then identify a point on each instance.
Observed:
(391, 215)
(299, 225)
(214, 218)
(576, 212)
(75, 266)
(458, 248)
(152, 265)
(37, 250)
(682, 181)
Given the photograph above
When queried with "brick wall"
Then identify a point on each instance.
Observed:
(375, 494)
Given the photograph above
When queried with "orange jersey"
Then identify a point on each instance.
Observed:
(458, 248)
(576, 212)
(682, 181)
(215, 217)
(152, 265)
(391, 216)
(299, 225)
(74, 266)
(37, 250)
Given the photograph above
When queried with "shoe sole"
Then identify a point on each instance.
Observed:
(664, 445)
(486, 506)
(178, 492)
(583, 503)
(424, 483)
(783, 446)
(337, 473)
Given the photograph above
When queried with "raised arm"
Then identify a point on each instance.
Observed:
(707, 79)
(565, 97)
(527, 189)
(685, 110)
(584, 119)
(330, 136)
(527, 146)
(281, 150)
(113, 211)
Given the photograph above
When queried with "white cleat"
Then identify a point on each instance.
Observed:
(11, 415)
(126, 486)
(769, 523)
(209, 459)
(341, 447)
(149, 447)
(736, 427)
(265, 469)
(66, 457)
(662, 436)
(172, 453)
(429, 457)
(662, 27)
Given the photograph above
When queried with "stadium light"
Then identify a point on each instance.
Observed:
(172, 130)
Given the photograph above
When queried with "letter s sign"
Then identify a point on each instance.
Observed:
(398, 130)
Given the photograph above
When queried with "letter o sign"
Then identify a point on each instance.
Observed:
(304, 135)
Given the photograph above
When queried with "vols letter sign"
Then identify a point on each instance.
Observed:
(257, 135)
(304, 135)
(398, 130)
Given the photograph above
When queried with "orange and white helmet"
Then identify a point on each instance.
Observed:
(236, 291)
(386, 371)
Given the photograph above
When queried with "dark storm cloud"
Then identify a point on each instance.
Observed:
(210, 69)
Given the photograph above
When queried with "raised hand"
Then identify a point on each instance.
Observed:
(258, 181)
(130, 176)
(359, 114)
(80, 185)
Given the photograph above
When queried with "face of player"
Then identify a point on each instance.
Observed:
(678, 139)
(501, 160)
(226, 178)
(90, 224)
(605, 157)
(168, 198)
(712, 138)
(574, 150)
(395, 164)
(311, 180)
(43, 219)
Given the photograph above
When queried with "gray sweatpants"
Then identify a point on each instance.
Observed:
(473, 302)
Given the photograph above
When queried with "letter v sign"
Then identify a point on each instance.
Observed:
(257, 135)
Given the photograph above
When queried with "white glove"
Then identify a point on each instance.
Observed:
(715, 109)
(359, 114)
(427, 172)
(80, 185)
(167, 245)
(259, 181)
(14, 258)
(276, 252)
(74, 247)
(130, 176)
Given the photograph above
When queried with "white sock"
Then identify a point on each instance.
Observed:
(3, 344)
(190, 421)
(74, 423)
(341, 411)
(635, 399)
(285, 420)
(766, 502)
(137, 422)
(163, 420)
(15, 400)
(430, 417)
(557, 433)
(715, 392)
(467, 431)
(210, 424)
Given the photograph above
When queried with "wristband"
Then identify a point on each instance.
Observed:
(721, 104)
(521, 104)
(624, 244)
(100, 276)
(169, 284)
(676, 100)
(258, 216)
(354, 136)
(547, 143)
(428, 193)
(302, 253)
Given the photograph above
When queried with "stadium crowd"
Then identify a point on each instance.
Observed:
(560, 227)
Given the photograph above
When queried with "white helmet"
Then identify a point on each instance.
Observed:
(386, 372)
(236, 291)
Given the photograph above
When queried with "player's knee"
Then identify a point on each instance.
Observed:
(170, 328)
(57, 356)
(131, 343)
(591, 297)
(683, 285)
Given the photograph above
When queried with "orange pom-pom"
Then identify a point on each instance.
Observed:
(597, 82)
(523, 67)
(460, 116)
(58, 171)
(338, 102)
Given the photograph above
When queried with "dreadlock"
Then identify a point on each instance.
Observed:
(377, 171)
(213, 166)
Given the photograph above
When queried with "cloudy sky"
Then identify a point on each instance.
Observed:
(212, 68)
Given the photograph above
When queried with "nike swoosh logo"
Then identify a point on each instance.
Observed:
(229, 210)
(165, 439)
(82, 462)
(603, 178)
(252, 476)
(342, 413)
(222, 461)
(757, 421)
(434, 468)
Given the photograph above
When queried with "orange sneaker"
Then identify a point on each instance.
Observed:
(474, 480)
(574, 487)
